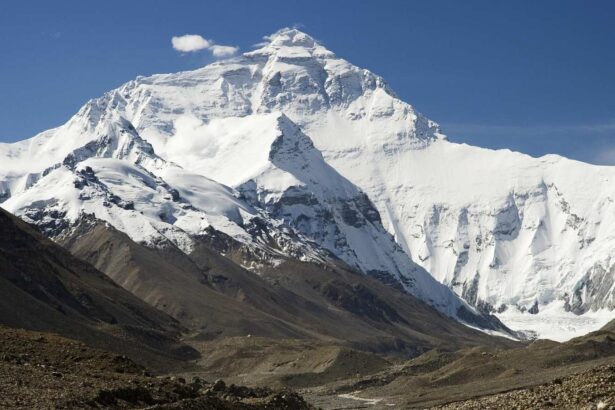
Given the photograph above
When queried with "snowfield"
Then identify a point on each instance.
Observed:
(555, 323)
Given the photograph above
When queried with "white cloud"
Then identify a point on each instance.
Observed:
(223, 51)
(193, 42)
(189, 43)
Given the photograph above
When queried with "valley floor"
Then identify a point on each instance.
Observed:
(42, 370)
(572, 375)
(593, 388)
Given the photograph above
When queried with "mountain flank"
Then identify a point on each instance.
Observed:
(213, 295)
(45, 288)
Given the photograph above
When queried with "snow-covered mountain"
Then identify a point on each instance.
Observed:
(284, 200)
(318, 146)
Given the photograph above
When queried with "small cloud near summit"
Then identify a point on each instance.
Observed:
(223, 51)
(190, 43)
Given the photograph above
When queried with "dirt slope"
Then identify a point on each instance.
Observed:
(439, 377)
(43, 287)
(42, 370)
(214, 296)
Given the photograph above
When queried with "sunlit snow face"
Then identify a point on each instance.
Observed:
(229, 150)
(194, 138)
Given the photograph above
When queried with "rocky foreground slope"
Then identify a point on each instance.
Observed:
(577, 374)
(42, 370)
(592, 389)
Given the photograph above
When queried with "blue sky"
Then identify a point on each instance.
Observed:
(533, 76)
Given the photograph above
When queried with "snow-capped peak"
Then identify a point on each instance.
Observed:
(290, 42)
(291, 37)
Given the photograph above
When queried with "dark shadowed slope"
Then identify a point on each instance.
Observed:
(43, 287)
(212, 294)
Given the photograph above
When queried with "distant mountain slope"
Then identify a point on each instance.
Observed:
(43, 287)
(215, 296)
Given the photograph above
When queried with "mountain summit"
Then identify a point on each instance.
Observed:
(291, 37)
(329, 162)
